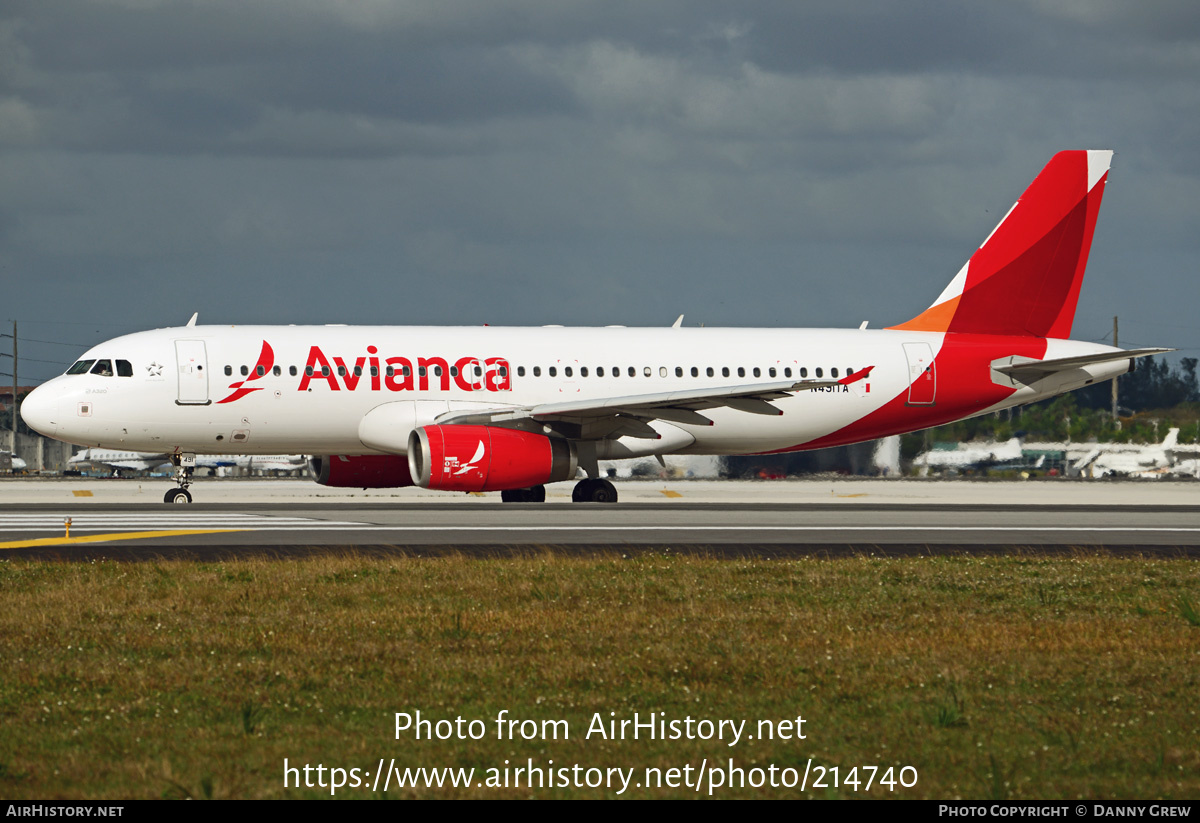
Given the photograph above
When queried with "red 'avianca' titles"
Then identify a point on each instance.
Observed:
(470, 374)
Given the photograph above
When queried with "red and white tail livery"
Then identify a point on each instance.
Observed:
(511, 409)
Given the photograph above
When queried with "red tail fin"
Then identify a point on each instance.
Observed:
(1025, 278)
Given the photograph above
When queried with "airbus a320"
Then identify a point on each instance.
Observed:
(470, 409)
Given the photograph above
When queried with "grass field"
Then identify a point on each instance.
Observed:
(997, 677)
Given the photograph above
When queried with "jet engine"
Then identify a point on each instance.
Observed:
(487, 458)
(364, 471)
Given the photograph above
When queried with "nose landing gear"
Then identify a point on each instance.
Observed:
(185, 464)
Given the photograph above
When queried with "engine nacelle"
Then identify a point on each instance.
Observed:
(363, 471)
(487, 458)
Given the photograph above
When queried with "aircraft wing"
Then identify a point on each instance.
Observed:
(1027, 370)
(674, 407)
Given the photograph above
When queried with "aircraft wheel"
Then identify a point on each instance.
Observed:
(177, 496)
(537, 494)
(594, 490)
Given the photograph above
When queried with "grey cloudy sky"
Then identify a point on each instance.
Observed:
(586, 163)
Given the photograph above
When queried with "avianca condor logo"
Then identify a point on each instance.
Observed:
(266, 360)
(398, 373)
(392, 374)
(463, 468)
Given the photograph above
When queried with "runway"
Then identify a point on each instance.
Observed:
(482, 527)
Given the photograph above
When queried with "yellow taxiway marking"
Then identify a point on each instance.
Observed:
(82, 493)
(102, 538)
(669, 493)
(860, 494)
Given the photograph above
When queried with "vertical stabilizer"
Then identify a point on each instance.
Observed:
(1025, 278)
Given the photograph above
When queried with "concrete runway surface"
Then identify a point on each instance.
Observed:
(125, 519)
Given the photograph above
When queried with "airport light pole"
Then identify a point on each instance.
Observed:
(13, 448)
(1115, 419)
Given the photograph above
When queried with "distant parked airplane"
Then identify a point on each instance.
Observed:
(1128, 460)
(970, 455)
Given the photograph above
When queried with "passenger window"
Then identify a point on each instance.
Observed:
(537, 371)
(260, 370)
(787, 372)
(599, 371)
(229, 371)
(552, 371)
(803, 371)
(695, 372)
(709, 371)
(124, 369)
(520, 371)
(632, 371)
(454, 371)
(849, 371)
(679, 371)
(292, 371)
(103, 368)
(724, 371)
(819, 372)
(833, 372)
(308, 371)
(741, 371)
(771, 372)
(407, 371)
(277, 371)
(245, 370)
(81, 367)
(358, 371)
(374, 371)
(757, 371)
(437, 371)
(502, 371)
(583, 371)
(421, 371)
(390, 372)
(567, 371)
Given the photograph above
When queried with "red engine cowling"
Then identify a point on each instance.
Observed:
(487, 458)
(363, 471)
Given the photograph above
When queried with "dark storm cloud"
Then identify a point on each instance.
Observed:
(770, 163)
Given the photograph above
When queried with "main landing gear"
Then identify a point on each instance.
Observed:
(536, 494)
(594, 490)
(588, 490)
(185, 464)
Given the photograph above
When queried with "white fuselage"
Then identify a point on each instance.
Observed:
(198, 389)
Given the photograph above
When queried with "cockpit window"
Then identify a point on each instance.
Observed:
(81, 367)
(124, 368)
(103, 368)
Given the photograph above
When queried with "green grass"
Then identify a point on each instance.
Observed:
(1009, 677)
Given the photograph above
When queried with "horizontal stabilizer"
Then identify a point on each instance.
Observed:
(1028, 370)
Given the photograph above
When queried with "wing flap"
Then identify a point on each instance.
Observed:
(673, 406)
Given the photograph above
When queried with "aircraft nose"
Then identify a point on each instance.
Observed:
(39, 410)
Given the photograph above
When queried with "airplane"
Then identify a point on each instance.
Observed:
(490, 408)
(968, 455)
(146, 461)
(16, 464)
(118, 460)
(1132, 460)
